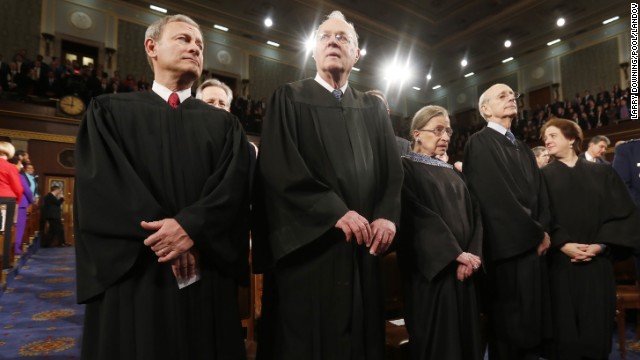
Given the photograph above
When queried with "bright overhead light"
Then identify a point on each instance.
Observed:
(507, 43)
(363, 52)
(428, 76)
(397, 73)
(507, 60)
(268, 22)
(220, 27)
(553, 42)
(355, 69)
(469, 74)
(560, 22)
(310, 44)
(273, 43)
(436, 87)
(416, 88)
(158, 8)
(610, 20)
(463, 62)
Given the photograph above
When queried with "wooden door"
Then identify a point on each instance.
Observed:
(539, 98)
(66, 183)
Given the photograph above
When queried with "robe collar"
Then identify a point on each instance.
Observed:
(328, 86)
(428, 160)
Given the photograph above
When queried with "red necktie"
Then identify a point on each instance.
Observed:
(174, 100)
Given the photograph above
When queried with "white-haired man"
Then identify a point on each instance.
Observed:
(215, 93)
(161, 196)
(503, 175)
(331, 178)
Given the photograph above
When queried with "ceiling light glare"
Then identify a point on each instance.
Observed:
(436, 87)
(158, 8)
(220, 27)
(553, 42)
(610, 20)
(469, 74)
(273, 43)
(560, 22)
(268, 22)
(463, 62)
(507, 43)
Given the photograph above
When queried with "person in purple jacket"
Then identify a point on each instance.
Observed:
(25, 201)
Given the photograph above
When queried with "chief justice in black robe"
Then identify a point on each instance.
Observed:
(503, 176)
(439, 248)
(139, 159)
(326, 160)
(595, 221)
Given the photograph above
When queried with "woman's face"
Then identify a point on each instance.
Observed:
(556, 143)
(433, 138)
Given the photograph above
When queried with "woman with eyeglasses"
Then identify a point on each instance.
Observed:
(439, 247)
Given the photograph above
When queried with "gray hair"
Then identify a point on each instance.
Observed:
(215, 83)
(538, 150)
(339, 15)
(154, 31)
(483, 99)
(424, 115)
(379, 94)
(7, 149)
(597, 138)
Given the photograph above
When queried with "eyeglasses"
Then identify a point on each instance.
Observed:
(341, 38)
(439, 130)
(505, 95)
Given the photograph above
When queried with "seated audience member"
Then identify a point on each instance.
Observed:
(216, 93)
(593, 219)
(597, 147)
(439, 247)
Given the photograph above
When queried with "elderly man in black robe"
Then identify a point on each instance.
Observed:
(331, 179)
(161, 193)
(502, 174)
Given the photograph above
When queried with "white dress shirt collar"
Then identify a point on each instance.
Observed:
(328, 86)
(164, 92)
(497, 127)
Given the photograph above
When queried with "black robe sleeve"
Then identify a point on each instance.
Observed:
(112, 196)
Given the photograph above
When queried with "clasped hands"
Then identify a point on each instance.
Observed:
(377, 236)
(172, 244)
(468, 263)
(580, 252)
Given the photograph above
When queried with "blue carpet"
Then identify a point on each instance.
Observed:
(39, 317)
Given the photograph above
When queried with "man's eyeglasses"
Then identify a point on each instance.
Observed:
(439, 131)
(504, 96)
(341, 38)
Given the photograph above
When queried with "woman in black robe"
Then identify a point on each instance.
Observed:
(594, 220)
(440, 247)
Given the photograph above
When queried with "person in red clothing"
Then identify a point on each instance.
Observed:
(10, 194)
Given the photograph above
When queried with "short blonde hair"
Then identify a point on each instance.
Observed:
(154, 31)
(7, 148)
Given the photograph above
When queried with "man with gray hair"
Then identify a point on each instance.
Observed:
(161, 200)
(330, 192)
(597, 147)
(503, 175)
(215, 93)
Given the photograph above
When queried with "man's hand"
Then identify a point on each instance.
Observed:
(544, 245)
(352, 224)
(383, 234)
(169, 239)
(185, 265)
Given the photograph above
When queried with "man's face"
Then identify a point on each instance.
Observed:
(179, 50)
(501, 102)
(598, 149)
(332, 55)
(216, 96)
(29, 169)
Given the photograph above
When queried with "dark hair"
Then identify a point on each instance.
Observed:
(569, 130)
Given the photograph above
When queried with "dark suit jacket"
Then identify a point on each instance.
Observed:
(627, 164)
(51, 208)
(599, 160)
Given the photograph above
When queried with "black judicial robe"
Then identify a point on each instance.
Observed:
(590, 205)
(439, 222)
(139, 159)
(320, 158)
(507, 183)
